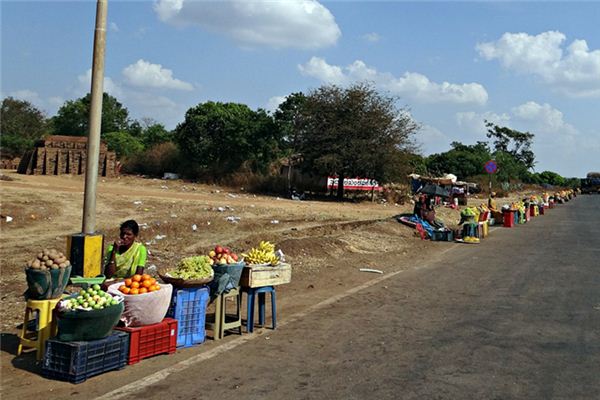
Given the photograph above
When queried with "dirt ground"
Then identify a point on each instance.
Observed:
(325, 242)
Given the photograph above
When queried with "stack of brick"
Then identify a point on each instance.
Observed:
(56, 155)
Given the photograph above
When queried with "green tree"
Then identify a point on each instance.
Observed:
(552, 178)
(219, 138)
(287, 117)
(352, 131)
(462, 160)
(72, 118)
(513, 142)
(21, 124)
(123, 143)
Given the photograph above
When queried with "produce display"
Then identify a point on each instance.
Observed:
(263, 254)
(193, 268)
(139, 284)
(49, 259)
(92, 298)
(222, 255)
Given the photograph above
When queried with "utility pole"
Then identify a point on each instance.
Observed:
(95, 122)
(85, 248)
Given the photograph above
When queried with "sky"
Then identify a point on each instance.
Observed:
(530, 66)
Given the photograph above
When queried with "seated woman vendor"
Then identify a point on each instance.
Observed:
(125, 257)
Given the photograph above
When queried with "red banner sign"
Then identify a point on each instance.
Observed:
(354, 184)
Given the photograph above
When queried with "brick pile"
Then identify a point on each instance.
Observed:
(57, 155)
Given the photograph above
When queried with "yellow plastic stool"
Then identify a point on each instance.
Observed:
(223, 321)
(46, 326)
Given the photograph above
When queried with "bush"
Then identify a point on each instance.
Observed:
(155, 161)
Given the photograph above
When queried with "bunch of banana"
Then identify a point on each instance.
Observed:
(263, 254)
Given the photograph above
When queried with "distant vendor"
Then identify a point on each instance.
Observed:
(125, 257)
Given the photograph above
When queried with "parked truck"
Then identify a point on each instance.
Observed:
(591, 183)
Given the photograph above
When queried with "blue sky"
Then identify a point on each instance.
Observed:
(530, 66)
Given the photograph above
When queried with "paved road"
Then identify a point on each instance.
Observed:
(516, 317)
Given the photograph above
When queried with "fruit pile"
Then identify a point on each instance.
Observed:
(263, 254)
(139, 284)
(49, 259)
(92, 298)
(222, 255)
(193, 268)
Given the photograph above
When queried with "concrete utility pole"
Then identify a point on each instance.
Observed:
(85, 248)
(95, 122)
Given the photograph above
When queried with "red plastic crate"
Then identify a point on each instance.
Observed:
(150, 340)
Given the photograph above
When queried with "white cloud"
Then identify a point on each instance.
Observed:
(50, 105)
(303, 24)
(432, 140)
(574, 71)
(85, 85)
(372, 37)
(27, 95)
(411, 85)
(113, 27)
(474, 123)
(145, 74)
(274, 102)
(543, 118)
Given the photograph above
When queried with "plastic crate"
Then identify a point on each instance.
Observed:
(442, 236)
(77, 361)
(150, 340)
(188, 307)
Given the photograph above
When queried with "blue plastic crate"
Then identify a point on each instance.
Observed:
(188, 307)
(76, 361)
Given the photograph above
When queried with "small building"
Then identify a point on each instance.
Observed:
(57, 155)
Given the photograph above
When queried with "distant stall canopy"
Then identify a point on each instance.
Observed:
(57, 155)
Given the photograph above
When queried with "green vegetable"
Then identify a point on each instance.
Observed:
(197, 267)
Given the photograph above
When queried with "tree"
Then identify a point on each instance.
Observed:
(72, 118)
(513, 142)
(123, 143)
(287, 118)
(552, 178)
(21, 124)
(462, 160)
(352, 131)
(219, 138)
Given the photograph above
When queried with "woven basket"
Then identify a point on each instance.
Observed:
(184, 283)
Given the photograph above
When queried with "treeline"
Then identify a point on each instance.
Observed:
(348, 132)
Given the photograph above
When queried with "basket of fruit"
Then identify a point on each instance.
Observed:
(47, 275)
(189, 272)
(89, 314)
(146, 301)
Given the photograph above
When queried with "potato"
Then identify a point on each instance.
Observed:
(43, 268)
(45, 258)
(49, 263)
(60, 260)
(45, 251)
(62, 265)
(68, 263)
(40, 255)
(54, 266)
(36, 264)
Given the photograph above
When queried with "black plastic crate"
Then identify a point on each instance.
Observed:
(76, 361)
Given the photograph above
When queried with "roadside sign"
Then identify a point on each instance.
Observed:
(490, 167)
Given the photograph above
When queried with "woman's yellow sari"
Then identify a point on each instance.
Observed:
(128, 262)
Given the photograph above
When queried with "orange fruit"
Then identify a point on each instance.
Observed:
(145, 277)
(156, 287)
(143, 290)
(134, 291)
(124, 289)
(147, 283)
(152, 281)
(135, 285)
(127, 282)
(136, 278)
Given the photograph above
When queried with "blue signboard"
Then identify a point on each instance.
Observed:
(490, 167)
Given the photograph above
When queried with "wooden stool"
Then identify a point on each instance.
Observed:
(220, 320)
(45, 329)
(261, 292)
